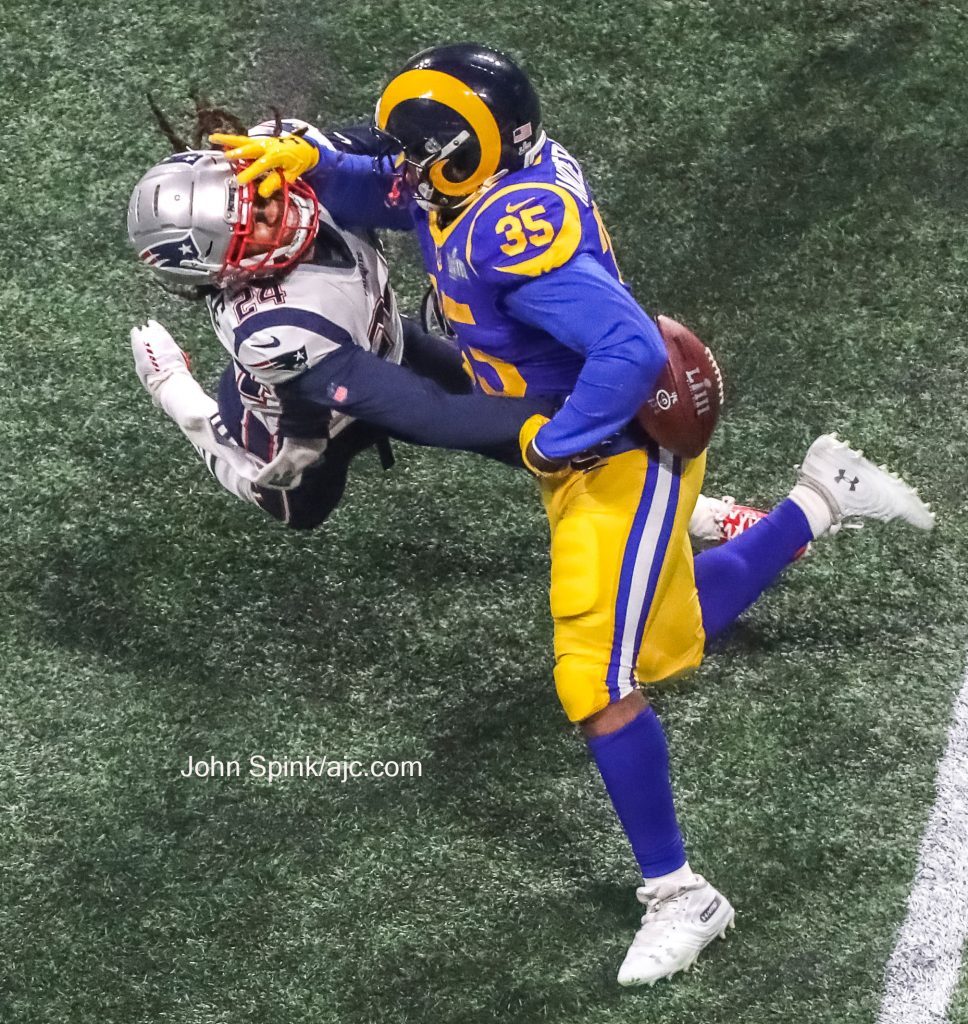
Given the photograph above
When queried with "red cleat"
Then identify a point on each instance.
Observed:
(718, 520)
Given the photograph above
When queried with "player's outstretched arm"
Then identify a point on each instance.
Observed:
(353, 182)
(408, 407)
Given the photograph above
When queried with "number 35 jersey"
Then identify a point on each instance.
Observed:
(531, 222)
(275, 330)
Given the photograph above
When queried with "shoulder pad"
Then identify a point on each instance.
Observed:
(278, 345)
(523, 230)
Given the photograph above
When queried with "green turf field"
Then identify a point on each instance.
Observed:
(792, 180)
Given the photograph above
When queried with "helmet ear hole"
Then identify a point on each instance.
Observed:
(462, 163)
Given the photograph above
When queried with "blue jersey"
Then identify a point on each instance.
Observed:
(527, 225)
(526, 277)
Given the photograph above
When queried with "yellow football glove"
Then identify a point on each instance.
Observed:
(546, 468)
(291, 154)
(540, 465)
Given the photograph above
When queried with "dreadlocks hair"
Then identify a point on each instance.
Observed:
(177, 143)
(208, 119)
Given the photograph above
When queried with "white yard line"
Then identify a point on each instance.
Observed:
(923, 971)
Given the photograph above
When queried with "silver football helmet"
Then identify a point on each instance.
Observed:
(190, 221)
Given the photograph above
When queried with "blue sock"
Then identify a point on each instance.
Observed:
(634, 762)
(731, 577)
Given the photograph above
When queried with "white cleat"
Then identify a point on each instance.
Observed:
(163, 369)
(156, 356)
(678, 925)
(853, 486)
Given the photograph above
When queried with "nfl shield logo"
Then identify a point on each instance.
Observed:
(456, 266)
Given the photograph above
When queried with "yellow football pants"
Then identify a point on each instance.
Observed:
(623, 591)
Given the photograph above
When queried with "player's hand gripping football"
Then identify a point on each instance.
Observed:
(276, 156)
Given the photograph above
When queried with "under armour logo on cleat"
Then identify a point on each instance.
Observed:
(710, 910)
(842, 476)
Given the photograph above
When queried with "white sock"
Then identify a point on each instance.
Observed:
(185, 401)
(814, 506)
(226, 475)
(676, 879)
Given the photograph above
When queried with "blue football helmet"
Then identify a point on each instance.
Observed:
(462, 116)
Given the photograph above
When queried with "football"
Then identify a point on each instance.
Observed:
(682, 413)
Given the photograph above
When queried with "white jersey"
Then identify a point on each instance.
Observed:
(275, 330)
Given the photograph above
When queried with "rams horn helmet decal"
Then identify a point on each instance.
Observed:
(464, 115)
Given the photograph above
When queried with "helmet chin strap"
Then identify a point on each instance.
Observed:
(426, 204)
(423, 168)
(532, 154)
(458, 140)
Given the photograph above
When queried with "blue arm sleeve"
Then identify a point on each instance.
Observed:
(405, 405)
(585, 308)
(355, 188)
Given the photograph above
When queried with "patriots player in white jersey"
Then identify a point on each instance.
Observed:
(304, 308)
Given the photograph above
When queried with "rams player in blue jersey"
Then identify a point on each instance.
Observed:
(524, 273)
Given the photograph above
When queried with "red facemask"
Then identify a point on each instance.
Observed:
(294, 232)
